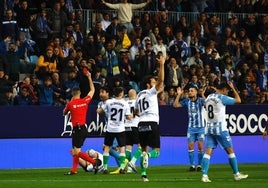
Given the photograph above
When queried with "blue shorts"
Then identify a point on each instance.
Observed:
(192, 137)
(223, 139)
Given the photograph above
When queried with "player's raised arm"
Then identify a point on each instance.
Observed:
(161, 74)
(176, 103)
(236, 95)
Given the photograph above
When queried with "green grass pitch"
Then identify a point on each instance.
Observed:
(159, 176)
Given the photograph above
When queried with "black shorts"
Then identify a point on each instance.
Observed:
(132, 136)
(149, 134)
(120, 137)
(79, 135)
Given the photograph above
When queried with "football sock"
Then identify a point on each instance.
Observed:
(137, 154)
(205, 163)
(143, 170)
(86, 157)
(105, 160)
(115, 154)
(122, 157)
(200, 157)
(233, 162)
(191, 157)
(75, 163)
(154, 154)
(128, 154)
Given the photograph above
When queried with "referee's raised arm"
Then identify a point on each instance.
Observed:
(91, 85)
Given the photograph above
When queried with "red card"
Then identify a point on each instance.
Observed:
(85, 71)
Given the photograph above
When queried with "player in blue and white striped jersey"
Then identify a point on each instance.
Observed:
(196, 127)
(216, 130)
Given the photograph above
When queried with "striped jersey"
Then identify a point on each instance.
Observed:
(215, 105)
(116, 110)
(195, 120)
(147, 104)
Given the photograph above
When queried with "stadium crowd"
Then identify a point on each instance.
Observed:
(47, 43)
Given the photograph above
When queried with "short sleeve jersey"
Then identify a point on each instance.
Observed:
(215, 105)
(116, 110)
(195, 120)
(78, 109)
(147, 104)
(135, 120)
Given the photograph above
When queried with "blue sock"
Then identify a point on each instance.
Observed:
(205, 164)
(115, 154)
(191, 157)
(233, 162)
(200, 157)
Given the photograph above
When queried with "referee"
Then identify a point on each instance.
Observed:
(78, 109)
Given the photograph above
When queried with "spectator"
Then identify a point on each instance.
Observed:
(46, 92)
(174, 74)
(162, 98)
(59, 60)
(153, 34)
(46, 64)
(171, 95)
(15, 66)
(43, 31)
(56, 43)
(79, 19)
(89, 47)
(27, 49)
(105, 22)
(195, 59)
(127, 72)
(57, 19)
(162, 22)
(6, 98)
(23, 98)
(112, 29)
(250, 25)
(23, 16)
(4, 65)
(160, 47)
(228, 72)
(78, 35)
(109, 64)
(201, 27)
(178, 48)
(134, 49)
(59, 98)
(26, 83)
(167, 35)
(146, 24)
(262, 79)
(147, 61)
(5, 83)
(97, 31)
(69, 84)
(9, 26)
(125, 12)
(184, 26)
